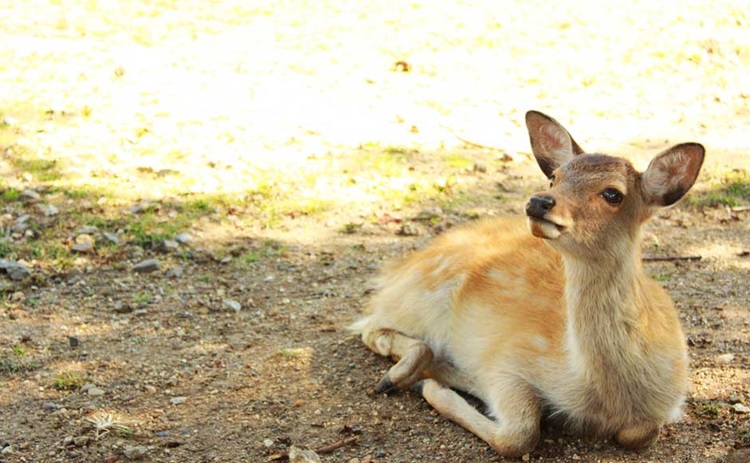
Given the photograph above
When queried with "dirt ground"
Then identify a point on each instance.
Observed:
(272, 116)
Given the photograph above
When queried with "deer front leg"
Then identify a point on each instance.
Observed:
(413, 357)
(638, 436)
(515, 430)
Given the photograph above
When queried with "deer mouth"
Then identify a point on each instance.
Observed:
(544, 228)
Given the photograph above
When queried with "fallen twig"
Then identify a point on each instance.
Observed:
(741, 209)
(325, 449)
(672, 258)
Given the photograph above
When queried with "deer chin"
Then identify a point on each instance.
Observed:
(546, 229)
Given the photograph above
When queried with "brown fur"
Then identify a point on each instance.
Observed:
(569, 321)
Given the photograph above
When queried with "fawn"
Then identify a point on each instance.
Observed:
(562, 320)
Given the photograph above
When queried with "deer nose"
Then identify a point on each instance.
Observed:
(538, 206)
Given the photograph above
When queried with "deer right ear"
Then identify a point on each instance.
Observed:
(551, 144)
(672, 173)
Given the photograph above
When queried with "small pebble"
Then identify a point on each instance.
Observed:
(47, 209)
(183, 238)
(51, 406)
(169, 245)
(741, 409)
(177, 400)
(135, 452)
(82, 247)
(73, 341)
(725, 358)
(268, 443)
(111, 237)
(95, 391)
(30, 196)
(231, 304)
(174, 272)
(147, 266)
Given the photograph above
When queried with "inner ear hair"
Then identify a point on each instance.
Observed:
(671, 174)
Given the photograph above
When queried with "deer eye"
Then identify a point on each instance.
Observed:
(551, 181)
(612, 196)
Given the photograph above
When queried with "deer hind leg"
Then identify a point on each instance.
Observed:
(515, 429)
(413, 357)
(638, 436)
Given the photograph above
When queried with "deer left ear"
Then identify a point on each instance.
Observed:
(671, 174)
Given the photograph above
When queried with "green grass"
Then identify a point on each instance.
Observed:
(68, 381)
(11, 194)
(662, 276)
(42, 170)
(457, 161)
(7, 251)
(731, 189)
(142, 298)
(17, 362)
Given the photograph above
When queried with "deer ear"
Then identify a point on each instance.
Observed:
(551, 144)
(672, 173)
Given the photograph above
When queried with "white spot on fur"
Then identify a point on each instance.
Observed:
(540, 342)
(442, 263)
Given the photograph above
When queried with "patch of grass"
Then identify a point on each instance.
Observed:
(11, 194)
(43, 170)
(147, 233)
(17, 362)
(6, 250)
(707, 410)
(49, 251)
(18, 350)
(142, 298)
(68, 381)
(248, 258)
(457, 161)
(662, 276)
(730, 189)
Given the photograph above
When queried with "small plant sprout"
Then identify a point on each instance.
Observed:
(103, 423)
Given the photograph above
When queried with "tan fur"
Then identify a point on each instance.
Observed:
(568, 323)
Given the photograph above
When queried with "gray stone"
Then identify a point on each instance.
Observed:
(51, 406)
(174, 272)
(234, 305)
(147, 266)
(30, 196)
(95, 391)
(169, 245)
(135, 452)
(48, 209)
(87, 230)
(141, 207)
(740, 408)
(183, 238)
(111, 237)
(82, 248)
(178, 400)
(15, 270)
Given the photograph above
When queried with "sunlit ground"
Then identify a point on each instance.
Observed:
(150, 99)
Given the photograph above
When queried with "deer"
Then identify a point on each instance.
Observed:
(547, 315)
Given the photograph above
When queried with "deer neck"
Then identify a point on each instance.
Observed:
(604, 306)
